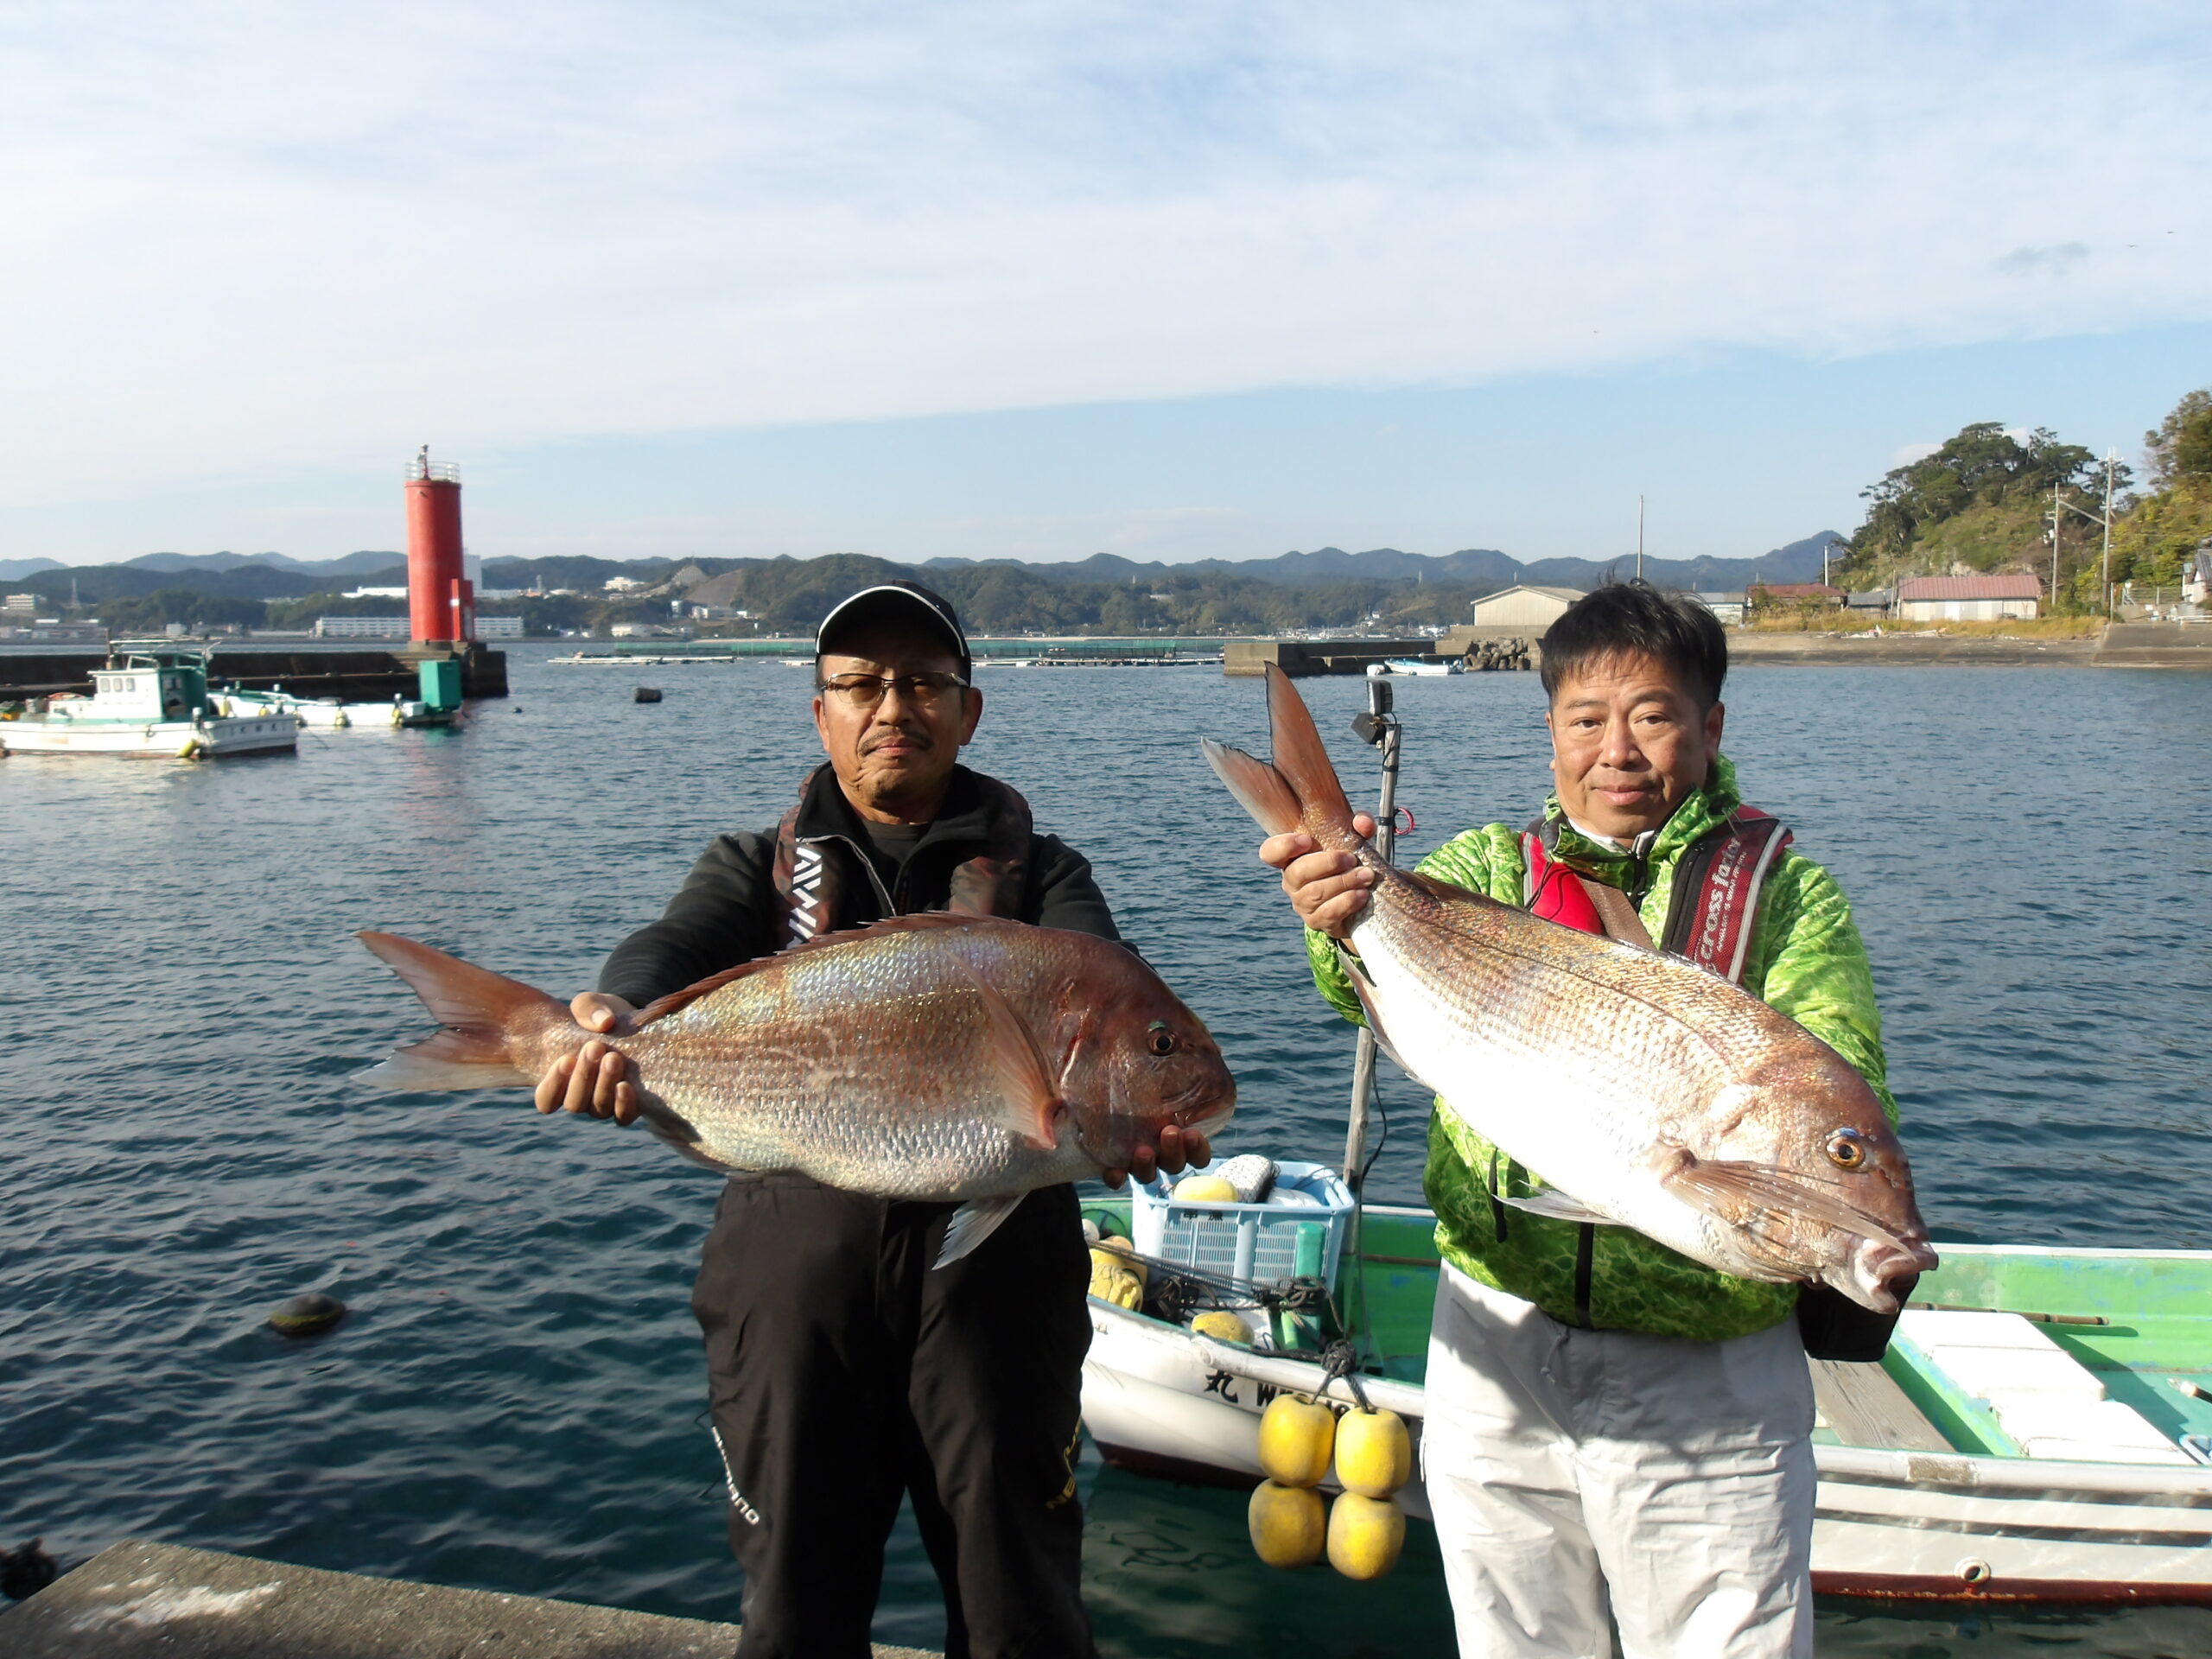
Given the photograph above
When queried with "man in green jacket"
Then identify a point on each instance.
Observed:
(1612, 1425)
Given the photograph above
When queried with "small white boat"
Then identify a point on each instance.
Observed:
(152, 703)
(327, 713)
(2040, 1430)
(1415, 667)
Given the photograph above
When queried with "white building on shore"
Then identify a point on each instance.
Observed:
(1524, 608)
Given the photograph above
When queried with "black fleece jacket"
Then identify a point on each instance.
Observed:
(727, 910)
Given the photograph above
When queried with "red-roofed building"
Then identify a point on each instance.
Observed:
(1968, 599)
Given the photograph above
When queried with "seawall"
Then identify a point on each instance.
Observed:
(136, 1600)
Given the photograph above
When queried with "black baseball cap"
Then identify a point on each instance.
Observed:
(898, 604)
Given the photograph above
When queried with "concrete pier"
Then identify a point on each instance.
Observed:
(136, 1600)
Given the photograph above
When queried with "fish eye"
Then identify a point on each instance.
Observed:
(1159, 1038)
(1846, 1149)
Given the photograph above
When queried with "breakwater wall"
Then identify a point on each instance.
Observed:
(364, 675)
(137, 1599)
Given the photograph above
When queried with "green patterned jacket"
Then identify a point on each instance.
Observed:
(1806, 960)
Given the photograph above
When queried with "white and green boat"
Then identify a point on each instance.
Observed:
(152, 702)
(2040, 1429)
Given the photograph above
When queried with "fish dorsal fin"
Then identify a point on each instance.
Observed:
(920, 922)
(1436, 888)
(1364, 988)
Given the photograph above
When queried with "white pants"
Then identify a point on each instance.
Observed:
(1563, 1465)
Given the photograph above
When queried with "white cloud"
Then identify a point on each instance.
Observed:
(248, 236)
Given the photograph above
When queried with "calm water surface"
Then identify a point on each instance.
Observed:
(517, 1401)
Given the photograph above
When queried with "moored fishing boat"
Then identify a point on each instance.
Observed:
(1416, 668)
(2039, 1430)
(150, 703)
(329, 714)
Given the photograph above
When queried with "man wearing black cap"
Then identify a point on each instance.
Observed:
(845, 1371)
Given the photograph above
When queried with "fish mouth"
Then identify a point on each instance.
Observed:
(1210, 1122)
(1883, 1272)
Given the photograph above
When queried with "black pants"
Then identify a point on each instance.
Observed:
(845, 1371)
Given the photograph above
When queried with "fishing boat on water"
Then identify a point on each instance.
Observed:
(151, 703)
(2038, 1429)
(1416, 668)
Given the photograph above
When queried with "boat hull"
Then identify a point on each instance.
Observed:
(187, 739)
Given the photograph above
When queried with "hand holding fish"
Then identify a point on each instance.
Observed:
(596, 1081)
(1328, 888)
(1179, 1149)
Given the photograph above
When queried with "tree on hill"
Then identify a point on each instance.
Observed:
(2181, 446)
(1984, 466)
(2149, 545)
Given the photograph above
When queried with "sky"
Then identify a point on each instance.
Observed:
(1041, 281)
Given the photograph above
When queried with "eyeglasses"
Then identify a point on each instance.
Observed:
(858, 691)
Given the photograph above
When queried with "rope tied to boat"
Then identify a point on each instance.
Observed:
(1341, 1359)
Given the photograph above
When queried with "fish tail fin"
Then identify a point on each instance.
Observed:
(482, 1013)
(1302, 760)
(1258, 788)
(1301, 790)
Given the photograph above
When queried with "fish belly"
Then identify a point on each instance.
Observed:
(872, 1080)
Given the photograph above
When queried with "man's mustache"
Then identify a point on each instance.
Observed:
(901, 734)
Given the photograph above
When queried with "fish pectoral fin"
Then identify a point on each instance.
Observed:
(1711, 1186)
(971, 1224)
(1027, 1102)
(1559, 1206)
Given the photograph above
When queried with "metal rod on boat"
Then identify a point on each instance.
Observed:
(1378, 726)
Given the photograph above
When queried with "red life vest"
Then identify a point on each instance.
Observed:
(1716, 889)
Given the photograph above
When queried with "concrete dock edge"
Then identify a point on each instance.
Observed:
(136, 1599)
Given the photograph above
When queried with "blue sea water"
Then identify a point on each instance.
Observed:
(517, 1401)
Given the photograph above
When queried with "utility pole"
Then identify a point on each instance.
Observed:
(1639, 538)
(2111, 458)
(2054, 547)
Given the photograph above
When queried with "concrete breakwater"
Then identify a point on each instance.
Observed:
(145, 1599)
(356, 675)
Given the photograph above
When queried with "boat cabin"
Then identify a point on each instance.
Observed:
(151, 685)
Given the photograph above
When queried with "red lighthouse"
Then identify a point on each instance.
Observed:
(441, 601)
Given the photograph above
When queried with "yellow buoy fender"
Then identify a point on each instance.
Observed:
(1205, 1188)
(1288, 1528)
(1365, 1535)
(1119, 1255)
(1374, 1455)
(1118, 1286)
(1223, 1327)
(1295, 1439)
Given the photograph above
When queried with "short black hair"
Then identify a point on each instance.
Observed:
(1635, 617)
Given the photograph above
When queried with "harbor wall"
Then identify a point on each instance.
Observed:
(135, 1600)
(362, 675)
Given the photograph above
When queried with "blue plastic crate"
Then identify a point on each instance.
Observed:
(1255, 1241)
